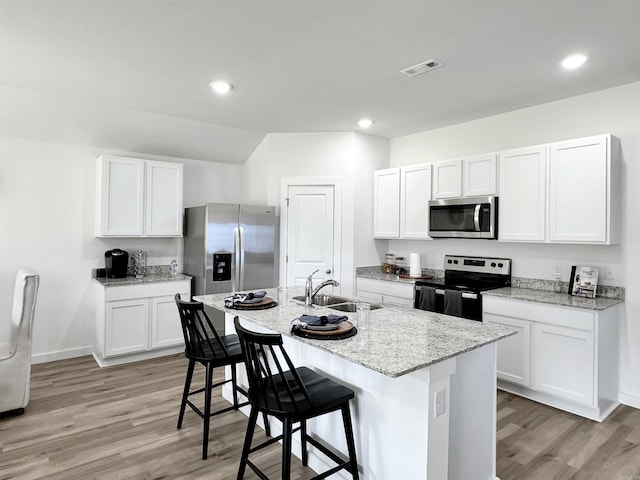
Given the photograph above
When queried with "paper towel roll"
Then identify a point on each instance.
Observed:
(415, 264)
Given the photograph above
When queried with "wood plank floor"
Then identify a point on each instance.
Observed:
(84, 422)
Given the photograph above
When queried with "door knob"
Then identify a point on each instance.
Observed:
(328, 271)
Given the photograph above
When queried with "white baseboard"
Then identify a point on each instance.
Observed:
(629, 399)
(61, 355)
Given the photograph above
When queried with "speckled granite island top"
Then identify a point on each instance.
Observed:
(551, 298)
(131, 280)
(400, 340)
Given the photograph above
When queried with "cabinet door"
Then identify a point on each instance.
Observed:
(120, 197)
(479, 175)
(578, 194)
(513, 351)
(447, 179)
(126, 326)
(522, 203)
(415, 193)
(164, 199)
(563, 363)
(386, 203)
(166, 329)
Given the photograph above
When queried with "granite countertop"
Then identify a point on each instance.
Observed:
(551, 298)
(376, 273)
(399, 341)
(131, 280)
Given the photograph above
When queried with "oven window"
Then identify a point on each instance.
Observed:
(448, 218)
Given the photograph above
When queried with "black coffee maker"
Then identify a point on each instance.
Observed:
(116, 262)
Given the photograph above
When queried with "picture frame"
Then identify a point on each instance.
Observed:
(583, 281)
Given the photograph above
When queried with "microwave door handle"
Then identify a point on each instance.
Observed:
(476, 217)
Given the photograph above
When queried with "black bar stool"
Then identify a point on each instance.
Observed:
(278, 388)
(204, 345)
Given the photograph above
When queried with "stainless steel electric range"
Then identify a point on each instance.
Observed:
(459, 293)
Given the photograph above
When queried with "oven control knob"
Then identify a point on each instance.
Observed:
(449, 261)
(455, 261)
(493, 264)
(500, 265)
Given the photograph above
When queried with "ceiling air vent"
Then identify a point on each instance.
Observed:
(422, 67)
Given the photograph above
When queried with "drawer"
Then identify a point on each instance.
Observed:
(396, 289)
(147, 290)
(537, 312)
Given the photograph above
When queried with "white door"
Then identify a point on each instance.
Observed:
(127, 326)
(310, 233)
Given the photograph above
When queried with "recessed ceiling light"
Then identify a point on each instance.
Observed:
(365, 122)
(221, 87)
(574, 61)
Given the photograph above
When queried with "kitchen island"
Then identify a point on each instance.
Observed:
(425, 385)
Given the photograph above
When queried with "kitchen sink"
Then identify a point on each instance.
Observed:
(334, 302)
(352, 307)
(323, 300)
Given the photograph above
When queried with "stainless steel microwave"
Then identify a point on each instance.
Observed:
(471, 217)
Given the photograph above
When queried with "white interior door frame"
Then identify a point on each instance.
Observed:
(287, 182)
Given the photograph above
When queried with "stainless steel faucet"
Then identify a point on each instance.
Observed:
(310, 292)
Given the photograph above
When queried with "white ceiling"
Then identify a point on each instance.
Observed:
(306, 65)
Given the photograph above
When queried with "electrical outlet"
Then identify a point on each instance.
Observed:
(439, 402)
(609, 273)
(557, 269)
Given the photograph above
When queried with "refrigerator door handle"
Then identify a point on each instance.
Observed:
(235, 277)
(241, 255)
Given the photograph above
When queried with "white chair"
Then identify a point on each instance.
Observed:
(15, 355)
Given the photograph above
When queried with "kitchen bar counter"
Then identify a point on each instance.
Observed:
(400, 340)
(425, 405)
(551, 298)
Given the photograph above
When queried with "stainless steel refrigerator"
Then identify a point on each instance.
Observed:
(230, 248)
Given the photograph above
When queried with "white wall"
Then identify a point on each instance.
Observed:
(47, 201)
(615, 111)
(349, 156)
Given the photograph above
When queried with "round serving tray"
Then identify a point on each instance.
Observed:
(263, 305)
(345, 330)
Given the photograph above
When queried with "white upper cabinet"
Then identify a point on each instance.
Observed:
(138, 198)
(479, 175)
(583, 207)
(415, 193)
(562, 192)
(465, 177)
(164, 199)
(401, 197)
(386, 203)
(447, 179)
(521, 205)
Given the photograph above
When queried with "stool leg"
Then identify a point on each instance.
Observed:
(286, 448)
(267, 429)
(234, 386)
(351, 446)
(207, 409)
(303, 440)
(185, 393)
(251, 425)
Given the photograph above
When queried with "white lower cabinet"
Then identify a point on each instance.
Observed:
(562, 360)
(513, 351)
(561, 356)
(385, 292)
(136, 322)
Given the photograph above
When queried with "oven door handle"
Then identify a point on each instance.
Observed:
(476, 217)
(469, 295)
